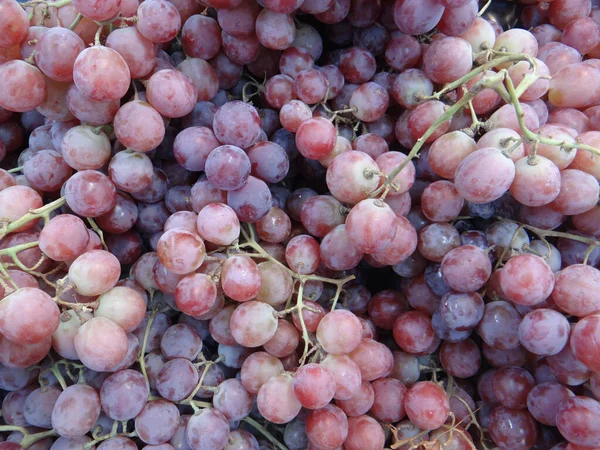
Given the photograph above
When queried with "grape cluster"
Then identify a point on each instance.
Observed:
(299, 225)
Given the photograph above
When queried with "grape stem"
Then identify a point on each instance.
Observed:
(15, 169)
(28, 438)
(253, 423)
(450, 112)
(557, 234)
(56, 4)
(141, 359)
(529, 135)
(43, 212)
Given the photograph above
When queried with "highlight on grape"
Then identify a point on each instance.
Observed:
(299, 225)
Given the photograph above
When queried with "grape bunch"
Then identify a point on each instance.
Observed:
(299, 225)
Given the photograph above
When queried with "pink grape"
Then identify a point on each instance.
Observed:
(94, 272)
(427, 405)
(276, 400)
(139, 126)
(75, 411)
(240, 278)
(180, 251)
(253, 324)
(339, 332)
(16, 97)
(544, 332)
(275, 30)
(158, 21)
(171, 93)
(314, 386)
(99, 84)
(475, 185)
(100, 344)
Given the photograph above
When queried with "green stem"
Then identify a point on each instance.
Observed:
(75, 22)
(31, 439)
(43, 212)
(530, 135)
(15, 169)
(141, 359)
(253, 423)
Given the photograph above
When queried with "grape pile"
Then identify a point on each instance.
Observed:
(299, 225)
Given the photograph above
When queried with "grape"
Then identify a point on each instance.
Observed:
(402, 53)
(274, 227)
(339, 332)
(100, 344)
(413, 332)
(75, 411)
(576, 419)
(12, 407)
(90, 193)
(423, 117)
(370, 102)
(63, 337)
(357, 65)
(171, 93)
(466, 268)
(276, 284)
(447, 59)
(426, 405)
(89, 110)
(96, 83)
(511, 386)
(15, 22)
(177, 379)
(499, 325)
(19, 356)
(578, 193)
(28, 316)
(158, 21)
(217, 223)
(25, 87)
(64, 225)
(237, 123)
(460, 359)
(472, 182)
(240, 20)
(38, 406)
(124, 394)
(232, 400)
(352, 176)
(257, 369)
(117, 443)
(364, 433)
(567, 10)
(314, 386)
(561, 93)
(139, 126)
(253, 324)
(414, 17)
(157, 422)
(461, 311)
(181, 251)
(389, 395)
(544, 400)
(227, 167)
(275, 30)
(310, 86)
(293, 114)
(537, 181)
(46, 170)
(94, 272)
(252, 201)
(207, 430)
(315, 138)
(84, 149)
(276, 399)
(56, 51)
